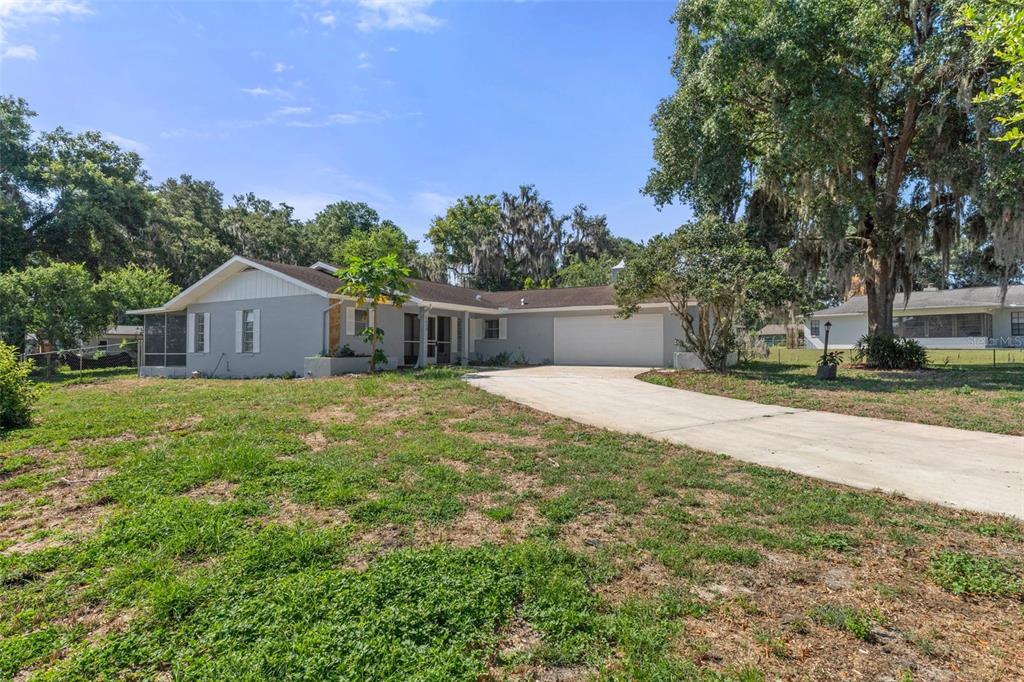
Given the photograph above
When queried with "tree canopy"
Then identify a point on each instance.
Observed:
(855, 119)
(374, 282)
(710, 269)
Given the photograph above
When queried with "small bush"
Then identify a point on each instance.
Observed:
(16, 391)
(963, 573)
(890, 352)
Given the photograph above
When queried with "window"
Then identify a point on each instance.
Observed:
(943, 326)
(248, 330)
(362, 318)
(815, 328)
(199, 338)
(1017, 323)
(164, 340)
(492, 329)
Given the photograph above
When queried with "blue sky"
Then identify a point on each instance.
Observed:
(404, 105)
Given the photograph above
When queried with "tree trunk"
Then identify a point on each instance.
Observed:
(880, 285)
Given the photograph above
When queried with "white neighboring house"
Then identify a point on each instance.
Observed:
(120, 338)
(966, 318)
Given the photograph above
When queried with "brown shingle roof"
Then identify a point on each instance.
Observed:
(314, 278)
(435, 292)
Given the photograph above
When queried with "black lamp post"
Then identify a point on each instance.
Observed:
(826, 370)
(828, 328)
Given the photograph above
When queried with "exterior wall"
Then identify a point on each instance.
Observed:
(847, 329)
(531, 336)
(253, 284)
(291, 329)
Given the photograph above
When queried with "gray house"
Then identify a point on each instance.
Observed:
(973, 317)
(253, 318)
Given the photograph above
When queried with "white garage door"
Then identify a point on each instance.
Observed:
(606, 340)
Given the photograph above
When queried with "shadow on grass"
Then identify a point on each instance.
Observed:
(973, 377)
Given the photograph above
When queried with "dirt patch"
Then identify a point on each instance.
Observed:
(215, 492)
(287, 511)
(377, 541)
(315, 441)
(186, 424)
(333, 414)
(125, 437)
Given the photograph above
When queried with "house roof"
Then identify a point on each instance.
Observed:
(436, 292)
(970, 297)
(319, 278)
(772, 330)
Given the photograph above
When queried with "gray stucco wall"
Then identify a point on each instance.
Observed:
(847, 330)
(290, 330)
(531, 336)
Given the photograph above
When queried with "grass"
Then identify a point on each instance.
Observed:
(962, 389)
(408, 526)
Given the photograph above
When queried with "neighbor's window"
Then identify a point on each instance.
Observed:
(815, 328)
(1017, 324)
(248, 330)
(491, 329)
(362, 320)
(200, 333)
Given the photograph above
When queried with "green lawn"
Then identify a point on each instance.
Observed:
(410, 527)
(963, 389)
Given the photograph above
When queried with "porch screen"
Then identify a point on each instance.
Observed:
(166, 338)
(943, 326)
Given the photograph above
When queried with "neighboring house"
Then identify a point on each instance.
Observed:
(253, 318)
(952, 318)
(772, 335)
(121, 338)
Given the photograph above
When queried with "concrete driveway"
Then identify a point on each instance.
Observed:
(967, 469)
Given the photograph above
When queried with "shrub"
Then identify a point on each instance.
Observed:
(890, 352)
(16, 391)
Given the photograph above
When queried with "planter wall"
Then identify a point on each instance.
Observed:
(329, 367)
(688, 360)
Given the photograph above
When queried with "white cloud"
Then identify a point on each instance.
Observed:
(346, 118)
(392, 49)
(20, 52)
(397, 15)
(364, 60)
(281, 67)
(17, 13)
(431, 203)
(327, 19)
(260, 91)
(291, 111)
(126, 142)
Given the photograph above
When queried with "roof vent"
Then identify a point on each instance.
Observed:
(479, 297)
(522, 301)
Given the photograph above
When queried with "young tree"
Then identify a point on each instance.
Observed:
(132, 288)
(57, 303)
(379, 281)
(713, 280)
(853, 115)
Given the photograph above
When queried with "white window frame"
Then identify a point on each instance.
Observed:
(492, 329)
(814, 326)
(360, 325)
(247, 317)
(1016, 315)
